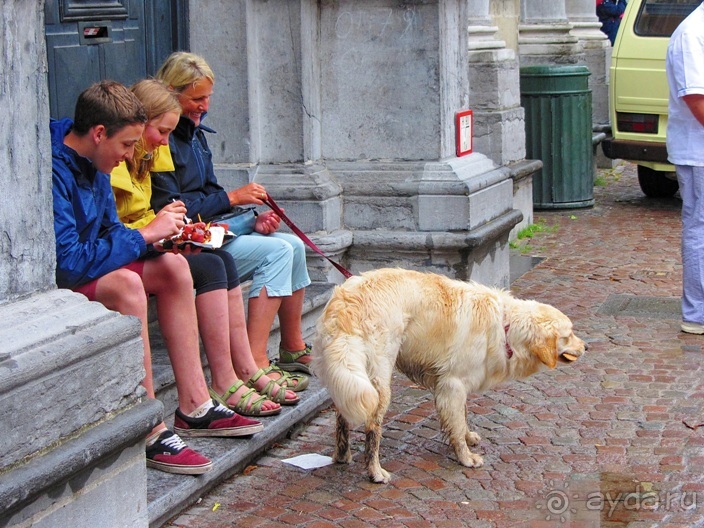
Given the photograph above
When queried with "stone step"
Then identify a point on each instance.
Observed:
(168, 494)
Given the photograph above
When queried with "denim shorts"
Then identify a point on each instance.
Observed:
(277, 261)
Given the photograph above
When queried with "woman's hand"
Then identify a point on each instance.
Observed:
(168, 222)
(267, 222)
(252, 193)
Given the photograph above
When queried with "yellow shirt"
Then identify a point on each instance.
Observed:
(133, 198)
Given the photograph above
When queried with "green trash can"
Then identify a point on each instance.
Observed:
(558, 117)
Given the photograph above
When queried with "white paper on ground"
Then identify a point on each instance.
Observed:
(309, 461)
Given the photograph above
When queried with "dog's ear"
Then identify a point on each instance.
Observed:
(546, 350)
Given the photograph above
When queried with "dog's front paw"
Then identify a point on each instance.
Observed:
(379, 475)
(473, 438)
(472, 461)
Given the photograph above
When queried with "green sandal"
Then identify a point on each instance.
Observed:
(245, 406)
(288, 360)
(294, 382)
(274, 391)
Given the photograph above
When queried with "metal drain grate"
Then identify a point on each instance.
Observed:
(641, 306)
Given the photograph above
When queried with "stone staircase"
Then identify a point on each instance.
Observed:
(168, 494)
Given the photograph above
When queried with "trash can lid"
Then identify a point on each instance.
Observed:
(554, 79)
(553, 70)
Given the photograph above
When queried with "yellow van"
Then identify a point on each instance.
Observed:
(638, 91)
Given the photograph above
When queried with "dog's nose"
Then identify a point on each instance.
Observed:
(586, 346)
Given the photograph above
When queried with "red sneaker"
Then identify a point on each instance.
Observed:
(170, 454)
(218, 421)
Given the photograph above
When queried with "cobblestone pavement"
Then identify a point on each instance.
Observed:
(609, 441)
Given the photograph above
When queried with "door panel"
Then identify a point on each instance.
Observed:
(123, 40)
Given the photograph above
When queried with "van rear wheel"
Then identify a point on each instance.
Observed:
(656, 184)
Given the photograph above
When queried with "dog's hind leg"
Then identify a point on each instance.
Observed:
(376, 473)
(373, 435)
(342, 453)
(451, 407)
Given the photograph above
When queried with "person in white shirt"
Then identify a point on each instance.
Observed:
(685, 148)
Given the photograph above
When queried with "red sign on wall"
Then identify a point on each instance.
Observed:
(464, 122)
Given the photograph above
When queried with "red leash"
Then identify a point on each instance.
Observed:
(274, 207)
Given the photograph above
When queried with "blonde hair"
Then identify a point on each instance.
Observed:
(158, 99)
(182, 69)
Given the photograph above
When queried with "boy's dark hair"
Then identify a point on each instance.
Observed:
(107, 103)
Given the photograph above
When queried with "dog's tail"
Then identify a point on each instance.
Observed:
(340, 363)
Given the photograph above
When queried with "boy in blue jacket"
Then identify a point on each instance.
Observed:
(96, 255)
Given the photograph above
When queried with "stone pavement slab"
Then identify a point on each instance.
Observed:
(609, 441)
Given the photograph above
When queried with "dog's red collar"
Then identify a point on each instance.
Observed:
(509, 350)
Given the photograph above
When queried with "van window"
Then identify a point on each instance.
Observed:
(659, 18)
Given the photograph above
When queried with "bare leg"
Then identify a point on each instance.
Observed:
(215, 321)
(211, 308)
(290, 314)
(262, 311)
(169, 278)
(242, 357)
(122, 291)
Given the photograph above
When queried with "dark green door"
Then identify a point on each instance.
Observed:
(123, 40)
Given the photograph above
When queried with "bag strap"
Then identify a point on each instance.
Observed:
(274, 207)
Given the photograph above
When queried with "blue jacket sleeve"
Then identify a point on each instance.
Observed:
(87, 249)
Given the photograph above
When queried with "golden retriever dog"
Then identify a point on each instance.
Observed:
(451, 337)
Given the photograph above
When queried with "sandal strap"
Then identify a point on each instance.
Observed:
(277, 397)
(246, 405)
(290, 380)
(258, 374)
(285, 374)
(229, 392)
(288, 356)
(222, 398)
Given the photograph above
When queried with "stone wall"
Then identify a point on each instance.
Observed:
(27, 229)
(70, 396)
(333, 103)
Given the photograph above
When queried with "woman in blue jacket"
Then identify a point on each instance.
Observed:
(275, 262)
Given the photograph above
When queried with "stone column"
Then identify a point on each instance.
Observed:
(544, 34)
(494, 95)
(267, 111)
(27, 242)
(493, 89)
(597, 54)
(394, 79)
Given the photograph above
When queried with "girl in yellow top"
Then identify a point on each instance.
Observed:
(219, 304)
